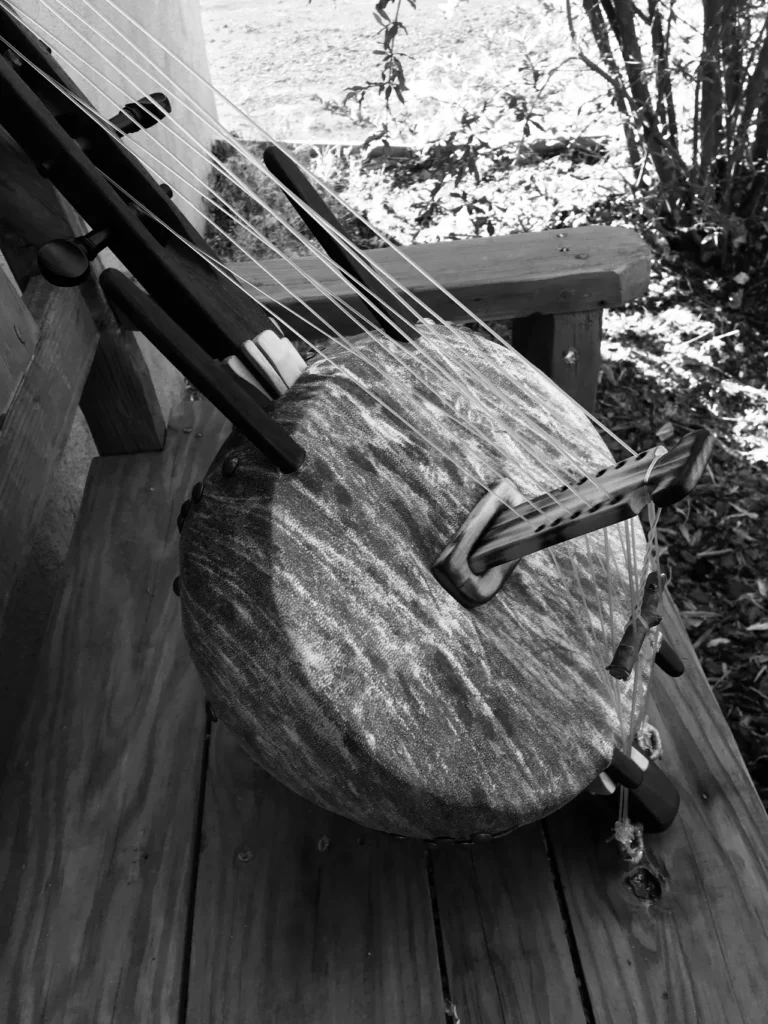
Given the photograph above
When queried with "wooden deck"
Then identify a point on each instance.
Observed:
(150, 872)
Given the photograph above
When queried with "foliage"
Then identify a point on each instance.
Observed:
(392, 78)
(690, 86)
(691, 353)
(710, 182)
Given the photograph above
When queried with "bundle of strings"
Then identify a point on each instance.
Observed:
(308, 605)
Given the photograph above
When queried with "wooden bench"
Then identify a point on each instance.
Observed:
(150, 872)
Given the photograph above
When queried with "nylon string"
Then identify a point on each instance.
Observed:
(631, 562)
(190, 102)
(489, 386)
(317, 180)
(337, 301)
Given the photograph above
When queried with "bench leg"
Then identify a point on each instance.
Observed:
(565, 346)
(119, 400)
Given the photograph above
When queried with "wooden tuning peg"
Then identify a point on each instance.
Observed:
(66, 261)
(144, 113)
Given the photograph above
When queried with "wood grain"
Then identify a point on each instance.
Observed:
(40, 417)
(30, 213)
(119, 400)
(18, 340)
(303, 916)
(566, 347)
(509, 276)
(697, 949)
(505, 940)
(98, 802)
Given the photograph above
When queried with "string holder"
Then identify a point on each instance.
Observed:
(609, 496)
(501, 537)
(452, 567)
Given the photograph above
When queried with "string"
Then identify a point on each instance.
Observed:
(250, 159)
(436, 366)
(549, 439)
(567, 590)
(471, 369)
(608, 574)
(317, 180)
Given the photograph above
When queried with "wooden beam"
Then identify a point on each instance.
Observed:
(684, 935)
(568, 271)
(39, 419)
(99, 795)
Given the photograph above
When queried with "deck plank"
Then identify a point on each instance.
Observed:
(698, 950)
(505, 941)
(303, 916)
(99, 795)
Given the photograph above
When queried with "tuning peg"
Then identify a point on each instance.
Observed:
(144, 113)
(66, 261)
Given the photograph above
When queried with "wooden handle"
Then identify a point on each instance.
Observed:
(297, 186)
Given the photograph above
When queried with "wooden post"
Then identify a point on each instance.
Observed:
(565, 346)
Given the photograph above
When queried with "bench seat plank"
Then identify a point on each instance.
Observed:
(303, 916)
(505, 939)
(565, 271)
(98, 800)
(683, 937)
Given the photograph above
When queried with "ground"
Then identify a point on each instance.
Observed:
(691, 354)
(288, 63)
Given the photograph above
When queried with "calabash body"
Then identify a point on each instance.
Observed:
(324, 640)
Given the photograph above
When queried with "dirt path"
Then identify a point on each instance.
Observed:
(271, 57)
